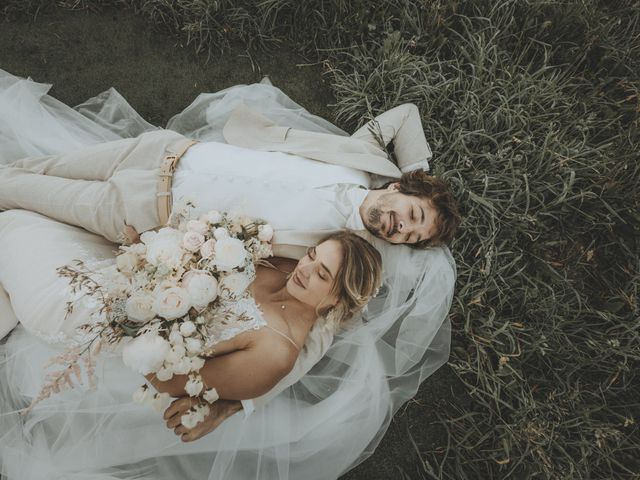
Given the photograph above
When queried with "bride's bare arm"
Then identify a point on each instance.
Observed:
(238, 375)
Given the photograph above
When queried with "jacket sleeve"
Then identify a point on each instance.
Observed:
(401, 124)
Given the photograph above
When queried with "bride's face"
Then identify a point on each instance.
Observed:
(313, 277)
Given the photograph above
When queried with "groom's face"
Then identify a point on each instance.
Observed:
(399, 218)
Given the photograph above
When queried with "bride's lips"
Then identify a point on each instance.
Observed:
(297, 280)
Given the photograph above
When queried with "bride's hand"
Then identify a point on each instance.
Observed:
(219, 411)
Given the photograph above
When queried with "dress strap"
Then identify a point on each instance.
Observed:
(284, 335)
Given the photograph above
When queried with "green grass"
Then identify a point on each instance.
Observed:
(531, 108)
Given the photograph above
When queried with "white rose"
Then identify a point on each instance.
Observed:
(211, 217)
(230, 253)
(235, 284)
(126, 262)
(161, 402)
(165, 247)
(172, 303)
(265, 233)
(187, 328)
(139, 307)
(220, 233)
(202, 288)
(192, 241)
(194, 386)
(145, 354)
(194, 345)
(211, 395)
(208, 248)
(138, 249)
(147, 237)
(197, 226)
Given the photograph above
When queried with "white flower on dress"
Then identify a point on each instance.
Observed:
(194, 416)
(171, 302)
(145, 353)
(194, 385)
(196, 363)
(230, 254)
(187, 328)
(182, 367)
(192, 241)
(164, 247)
(160, 402)
(194, 345)
(164, 374)
(139, 307)
(265, 233)
(211, 395)
(208, 248)
(235, 284)
(211, 217)
(142, 395)
(202, 288)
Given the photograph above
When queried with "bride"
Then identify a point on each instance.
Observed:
(318, 427)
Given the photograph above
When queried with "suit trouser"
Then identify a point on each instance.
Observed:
(100, 188)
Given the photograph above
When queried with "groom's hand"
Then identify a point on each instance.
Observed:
(219, 411)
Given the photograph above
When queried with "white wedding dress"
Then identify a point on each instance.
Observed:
(316, 429)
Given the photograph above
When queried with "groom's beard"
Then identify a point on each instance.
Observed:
(373, 221)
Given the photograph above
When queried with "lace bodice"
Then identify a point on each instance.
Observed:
(231, 318)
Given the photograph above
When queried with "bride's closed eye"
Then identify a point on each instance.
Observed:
(311, 253)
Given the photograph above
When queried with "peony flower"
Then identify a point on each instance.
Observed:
(192, 241)
(202, 288)
(172, 302)
(235, 284)
(194, 345)
(265, 233)
(187, 328)
(197, 226)
(145, 353)
(194, 386)
(220, 233)
(211, 395)
(230, 253)
(165, 247)
(139, 307)
(126, 262)
(211, 217)
(208, 248)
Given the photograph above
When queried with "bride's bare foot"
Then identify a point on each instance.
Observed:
(219, 412)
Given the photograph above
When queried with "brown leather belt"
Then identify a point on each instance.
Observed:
(167, 167)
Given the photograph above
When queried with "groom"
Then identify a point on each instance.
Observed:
(306, 184)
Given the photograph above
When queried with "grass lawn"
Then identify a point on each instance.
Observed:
(531, 109)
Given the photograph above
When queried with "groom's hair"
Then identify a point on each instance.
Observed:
(419, 183)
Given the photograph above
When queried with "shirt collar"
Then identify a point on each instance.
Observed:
(355, 197)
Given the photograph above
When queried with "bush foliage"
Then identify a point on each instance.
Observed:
(531, 109)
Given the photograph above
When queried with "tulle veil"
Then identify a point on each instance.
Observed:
(318, 428)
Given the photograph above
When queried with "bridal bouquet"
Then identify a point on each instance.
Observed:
(163, 300)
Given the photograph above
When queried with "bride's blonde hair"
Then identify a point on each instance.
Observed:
(357, 280)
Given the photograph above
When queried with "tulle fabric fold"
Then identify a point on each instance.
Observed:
(320, 427)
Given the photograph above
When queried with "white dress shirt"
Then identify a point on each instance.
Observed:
(289, 192)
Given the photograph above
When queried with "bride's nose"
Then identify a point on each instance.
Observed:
(401, 226)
